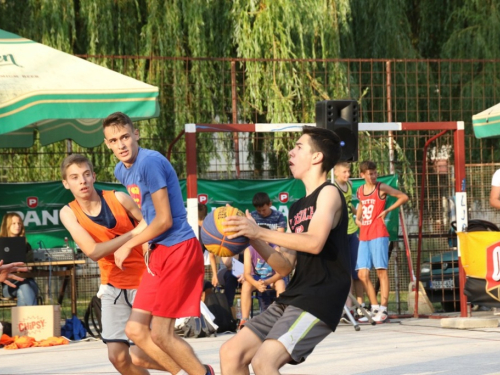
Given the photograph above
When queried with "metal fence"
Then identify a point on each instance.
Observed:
(387, 90)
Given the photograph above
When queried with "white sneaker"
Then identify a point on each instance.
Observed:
(364, 319)
(381, 316)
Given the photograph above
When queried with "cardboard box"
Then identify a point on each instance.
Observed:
(40, 322)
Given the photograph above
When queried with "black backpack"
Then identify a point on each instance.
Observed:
(217, 304)
(92, 317)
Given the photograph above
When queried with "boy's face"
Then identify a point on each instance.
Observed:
(370, 176)
(300, 157)
(342, 173)
(79, 180)
(264, 210)
(122, 140)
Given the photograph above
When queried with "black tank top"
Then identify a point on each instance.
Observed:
(321, 283)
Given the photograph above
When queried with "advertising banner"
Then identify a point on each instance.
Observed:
(480, 255)
(39, 203)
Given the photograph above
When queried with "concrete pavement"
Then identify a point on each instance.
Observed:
(403, 346)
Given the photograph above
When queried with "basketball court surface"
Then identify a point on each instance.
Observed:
(400, 347)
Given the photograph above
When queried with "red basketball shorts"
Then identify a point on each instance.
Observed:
(174, 289)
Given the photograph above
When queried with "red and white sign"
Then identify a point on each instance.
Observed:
(202, 198)
(283, 197)
(32, 202)
(39, 322)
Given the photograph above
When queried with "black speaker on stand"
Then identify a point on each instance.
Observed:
(341, 116)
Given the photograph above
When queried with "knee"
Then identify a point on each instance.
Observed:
(134, 332)
(230, 356)
(162, 339)
(260, 365)
(119, 359)
(137, 360)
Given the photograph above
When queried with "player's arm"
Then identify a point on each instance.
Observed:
(359, 215)
(401, 197)
(247, 268)
(495, 197)
(327, 215)
(162, 221)
(84, 240)
(213, 266)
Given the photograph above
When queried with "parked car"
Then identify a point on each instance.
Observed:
(439, 276)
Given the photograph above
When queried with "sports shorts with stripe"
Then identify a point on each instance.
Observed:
(298, 330)
(116, 305)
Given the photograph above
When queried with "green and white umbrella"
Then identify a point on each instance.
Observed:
(61, 95)
(486, 124)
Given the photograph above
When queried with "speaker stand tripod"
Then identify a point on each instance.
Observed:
(357, 305)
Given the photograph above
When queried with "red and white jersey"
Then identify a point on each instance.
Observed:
(372, 205)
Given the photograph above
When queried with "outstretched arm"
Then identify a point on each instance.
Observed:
(327, 215)
(84, 240)
(7, 272)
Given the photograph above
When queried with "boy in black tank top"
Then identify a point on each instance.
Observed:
(317, 247)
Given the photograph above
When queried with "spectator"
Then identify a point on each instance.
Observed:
(258, 275)
(495, 190)
(374, 239)
(342, 172)
(207, 285)
(228, 281)
(26, 291)
(264, 213)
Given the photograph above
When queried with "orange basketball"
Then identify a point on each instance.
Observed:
(215, 239)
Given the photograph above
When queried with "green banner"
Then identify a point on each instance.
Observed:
(39, 203)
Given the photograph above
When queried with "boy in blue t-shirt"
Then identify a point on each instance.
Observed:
(264, 215)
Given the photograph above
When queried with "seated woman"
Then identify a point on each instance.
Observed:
(26, 291)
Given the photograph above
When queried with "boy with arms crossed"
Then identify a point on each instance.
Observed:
(311, 307)
(172, 286)
(100, 222)
(374, 238)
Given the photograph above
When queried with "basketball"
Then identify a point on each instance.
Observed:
(215, 239)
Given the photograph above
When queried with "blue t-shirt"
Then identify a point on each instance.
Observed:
(274, 221)
(151, 172)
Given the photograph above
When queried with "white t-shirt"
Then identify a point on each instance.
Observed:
(495, 181)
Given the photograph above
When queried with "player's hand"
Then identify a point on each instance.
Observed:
(7, 270)
(215, 280)
(383, 214)
(139, 228)
(121, 254)
(262, 286)
(243, 226)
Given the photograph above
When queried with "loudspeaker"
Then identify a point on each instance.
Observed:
(341, 116)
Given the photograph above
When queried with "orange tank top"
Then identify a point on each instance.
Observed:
(134, 266)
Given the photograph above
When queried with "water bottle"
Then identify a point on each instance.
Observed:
(238, 309)
(66, 243)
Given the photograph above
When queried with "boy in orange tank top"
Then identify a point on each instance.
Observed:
(374, 239)
(100, 222)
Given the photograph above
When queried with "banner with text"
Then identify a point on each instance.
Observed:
(39, 203)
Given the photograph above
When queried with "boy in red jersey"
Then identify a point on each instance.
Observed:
(373, 248)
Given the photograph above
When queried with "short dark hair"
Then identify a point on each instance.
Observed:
(367, 165)
(202, 211)
(260, 199)
(324, 141)
(74, 159)
(117, 119)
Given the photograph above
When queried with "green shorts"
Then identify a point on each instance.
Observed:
(298, 330)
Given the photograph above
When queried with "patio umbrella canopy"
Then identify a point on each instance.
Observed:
(486, 124)
(61, 95)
